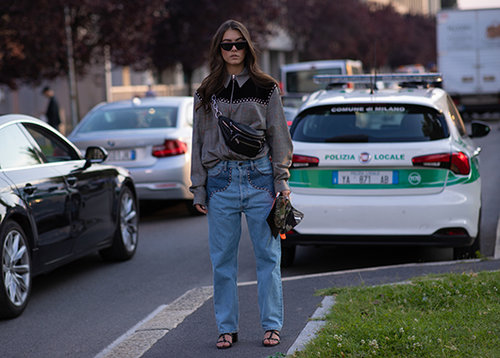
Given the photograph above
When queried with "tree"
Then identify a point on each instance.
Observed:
(29, 47)
(376, 35)
(417, 42)
(127, 27)
(184, 32)
(32, 37)
(162, 33)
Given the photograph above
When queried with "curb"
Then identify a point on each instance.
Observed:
(496, 250)
(312, 327)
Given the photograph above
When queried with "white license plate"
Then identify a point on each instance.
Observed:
(121, 155)
(364, 177)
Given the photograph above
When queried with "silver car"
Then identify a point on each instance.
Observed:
(151, 137)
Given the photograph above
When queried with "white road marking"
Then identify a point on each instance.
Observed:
(140, 338)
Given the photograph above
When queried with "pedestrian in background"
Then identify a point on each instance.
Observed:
(226, 184)
(52, 112)
(150, 92)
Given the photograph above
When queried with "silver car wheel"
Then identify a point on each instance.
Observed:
(128, 221)
(16, 268)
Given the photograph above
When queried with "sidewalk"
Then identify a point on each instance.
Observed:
(196, 334)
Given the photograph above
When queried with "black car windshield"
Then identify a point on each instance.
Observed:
(369, 123)
(130, 118)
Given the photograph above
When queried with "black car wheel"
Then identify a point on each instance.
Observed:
(287, 255)
(15, 279)
(126, 234)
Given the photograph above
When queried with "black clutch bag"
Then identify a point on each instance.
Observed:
(283, 216)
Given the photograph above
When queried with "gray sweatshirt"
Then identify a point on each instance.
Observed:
(244, 102)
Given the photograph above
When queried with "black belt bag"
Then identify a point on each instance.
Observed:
(240, 138)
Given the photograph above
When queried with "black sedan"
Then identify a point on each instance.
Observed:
(56, 206)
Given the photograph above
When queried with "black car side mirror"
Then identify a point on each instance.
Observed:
(479, 129)
(94, 154)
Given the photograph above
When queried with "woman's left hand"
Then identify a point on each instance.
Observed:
(285, 193)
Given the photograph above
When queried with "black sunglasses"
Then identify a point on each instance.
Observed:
(228, 46)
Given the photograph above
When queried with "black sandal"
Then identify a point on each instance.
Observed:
(222, 339)
(271, 340)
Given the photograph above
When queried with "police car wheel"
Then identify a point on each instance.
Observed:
(472, 251)
(287, 255)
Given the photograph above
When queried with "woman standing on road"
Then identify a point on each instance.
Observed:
(226, 184)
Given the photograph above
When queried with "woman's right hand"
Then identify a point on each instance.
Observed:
(201, 208)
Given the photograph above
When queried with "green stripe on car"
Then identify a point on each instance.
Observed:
(406, 178)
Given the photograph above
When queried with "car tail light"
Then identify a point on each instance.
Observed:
(169, 148)
(452, 231)
(457, 162)
(302, 161)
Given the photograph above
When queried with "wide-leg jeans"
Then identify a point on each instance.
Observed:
(233, 188)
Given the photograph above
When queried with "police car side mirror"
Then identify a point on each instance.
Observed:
(479, 129)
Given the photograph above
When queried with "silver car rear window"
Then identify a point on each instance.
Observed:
(369, 123)
(130, 118)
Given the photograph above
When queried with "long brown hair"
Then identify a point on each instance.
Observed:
(214, 82)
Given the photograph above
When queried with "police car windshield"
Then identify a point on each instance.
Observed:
(369, 123)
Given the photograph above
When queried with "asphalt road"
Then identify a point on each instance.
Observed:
(490, 176)
(78, 310)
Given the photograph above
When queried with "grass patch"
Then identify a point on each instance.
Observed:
(452, 315)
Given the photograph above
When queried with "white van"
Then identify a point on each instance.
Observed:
(297, 78)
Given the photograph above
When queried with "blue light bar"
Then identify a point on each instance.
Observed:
(414, 77)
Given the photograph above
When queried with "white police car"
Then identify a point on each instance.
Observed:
(392, 167)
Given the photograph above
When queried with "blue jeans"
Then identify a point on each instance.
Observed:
(235, 187)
